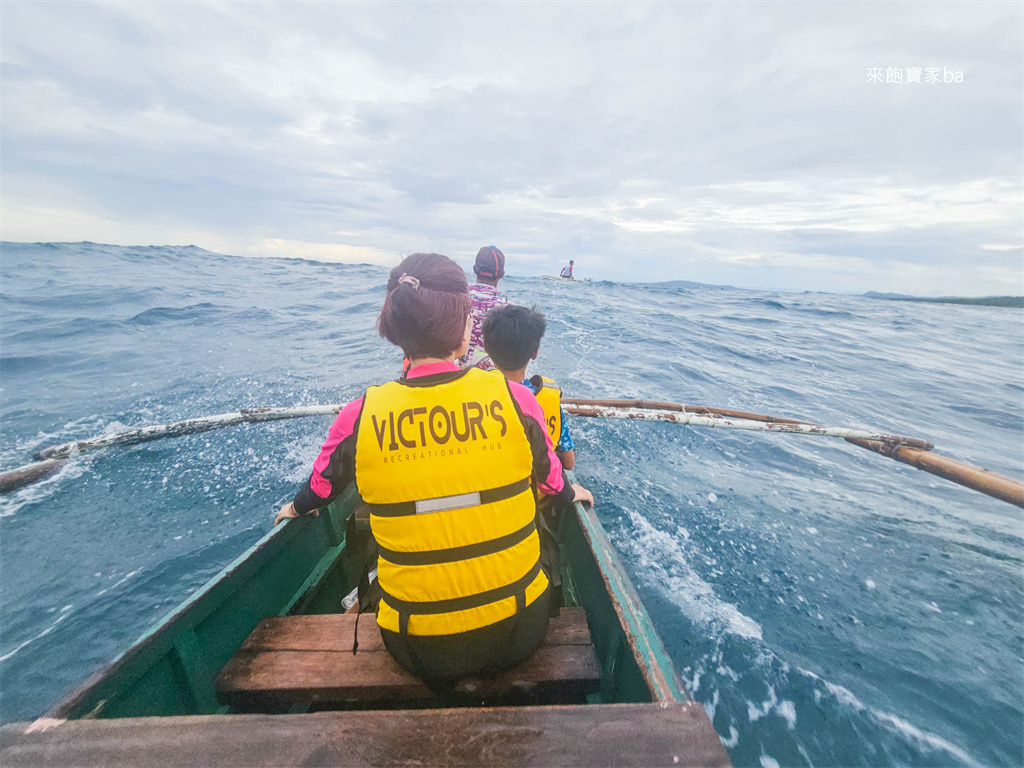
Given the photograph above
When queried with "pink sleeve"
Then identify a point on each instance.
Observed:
(342, 427)
(528, 404)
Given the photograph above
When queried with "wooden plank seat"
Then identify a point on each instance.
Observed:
(291, 661)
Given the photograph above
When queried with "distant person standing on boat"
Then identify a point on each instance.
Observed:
(448, 462)
(567, 271)
(489, 269)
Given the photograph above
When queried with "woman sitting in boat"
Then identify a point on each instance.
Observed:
(444, 460)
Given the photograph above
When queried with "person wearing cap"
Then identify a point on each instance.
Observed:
(489, 269)
(567, 271)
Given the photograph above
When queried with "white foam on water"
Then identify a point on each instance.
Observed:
(869, 583)
(711, 707)
(787, 711)
(756, 711)
(769, 762)
(728, 672)
(732, 741)
(298, 461)
(928, 741)
(666, 566)
(64, 613)
(844, 696)
(42, 490)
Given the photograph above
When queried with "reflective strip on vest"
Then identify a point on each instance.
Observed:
(445, 470)
(549, 396)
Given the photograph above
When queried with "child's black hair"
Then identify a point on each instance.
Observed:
(512, 335)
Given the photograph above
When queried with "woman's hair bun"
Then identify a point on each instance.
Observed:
(428, 317)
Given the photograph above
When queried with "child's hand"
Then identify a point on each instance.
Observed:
(582, 494)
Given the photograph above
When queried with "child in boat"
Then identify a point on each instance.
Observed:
(489, 269)
(511, 337)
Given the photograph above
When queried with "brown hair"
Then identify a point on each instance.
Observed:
(426, 307)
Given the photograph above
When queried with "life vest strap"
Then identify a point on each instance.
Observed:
(455, 554)
(444, 503)
(466, 602)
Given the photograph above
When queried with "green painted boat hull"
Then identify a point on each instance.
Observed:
(307, 566)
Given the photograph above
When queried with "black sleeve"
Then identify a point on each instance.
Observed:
(339, 472)
(565, 497)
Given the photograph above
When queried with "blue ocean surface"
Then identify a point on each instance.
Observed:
(828, 606)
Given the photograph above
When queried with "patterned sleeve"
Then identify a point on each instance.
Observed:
(565, 439)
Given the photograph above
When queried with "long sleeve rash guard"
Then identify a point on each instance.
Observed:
(334, 468)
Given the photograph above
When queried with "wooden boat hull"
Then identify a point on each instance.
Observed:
(307, 566)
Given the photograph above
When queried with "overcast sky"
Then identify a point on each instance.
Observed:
(739, 143)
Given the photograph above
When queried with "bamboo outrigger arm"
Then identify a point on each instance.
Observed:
(187, 427)
(912, 451)
(50, 460)
(998, 486)
(907, 450)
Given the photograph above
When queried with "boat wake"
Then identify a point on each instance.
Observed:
(64, 613)
(666, 567)
(774, 695)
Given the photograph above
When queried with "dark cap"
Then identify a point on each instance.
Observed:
(490, 262)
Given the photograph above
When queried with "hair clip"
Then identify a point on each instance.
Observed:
(409, 279)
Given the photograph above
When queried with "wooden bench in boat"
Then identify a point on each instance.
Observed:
(291, 661)
(675, 735)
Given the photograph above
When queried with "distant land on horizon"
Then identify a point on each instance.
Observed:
(691, 284)
(984, 301)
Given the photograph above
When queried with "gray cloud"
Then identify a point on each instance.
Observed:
(722, 142)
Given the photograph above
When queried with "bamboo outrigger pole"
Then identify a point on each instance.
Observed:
(906, 450)
(50, 460)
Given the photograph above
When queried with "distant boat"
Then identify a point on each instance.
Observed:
(565, 279)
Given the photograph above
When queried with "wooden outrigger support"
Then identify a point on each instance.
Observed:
(997, 486)
(906, 450)
(50, 460)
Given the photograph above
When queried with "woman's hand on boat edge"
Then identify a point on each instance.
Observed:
(288, 510)
(582, 494)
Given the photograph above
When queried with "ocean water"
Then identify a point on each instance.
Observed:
(826, 605)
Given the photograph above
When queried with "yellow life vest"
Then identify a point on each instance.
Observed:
(550, 398)
(445, 466)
